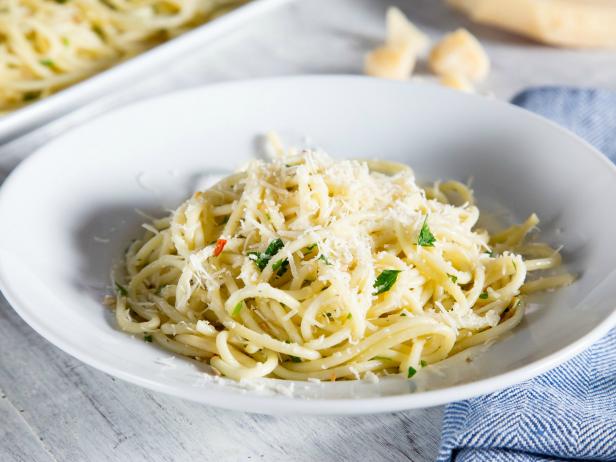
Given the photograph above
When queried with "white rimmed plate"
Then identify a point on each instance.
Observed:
(68, 212)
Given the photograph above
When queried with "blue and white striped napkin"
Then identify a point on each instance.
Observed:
(568, 413)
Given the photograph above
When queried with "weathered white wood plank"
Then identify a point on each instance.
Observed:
(18, 442)
(79, 412)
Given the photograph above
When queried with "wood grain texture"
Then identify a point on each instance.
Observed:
(18, 440)
(54, 408)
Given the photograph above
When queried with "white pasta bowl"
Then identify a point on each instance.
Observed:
(68, 212)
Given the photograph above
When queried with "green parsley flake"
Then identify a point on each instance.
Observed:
(349, 316)
(385, 281)
(280, 266)
(237, 308)
(274, 247)
(121, 290)
(295, 359)
(262, 259)
(453, 278)
(66, 42)
(423, 363)
(403, 314)
(411, 372)
(381, 358)
(483, 295)
(426, 238)
(147, 338)
(47, 62)
(324, 259)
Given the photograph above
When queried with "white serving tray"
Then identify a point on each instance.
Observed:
(33, 115)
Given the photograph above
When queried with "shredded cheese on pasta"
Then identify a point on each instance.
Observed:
(47, 45)
(307, 268)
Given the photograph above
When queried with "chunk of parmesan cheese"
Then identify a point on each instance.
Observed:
(389, 62)
(460, 53)
(396, 58)
(575, 23)
(401, 32)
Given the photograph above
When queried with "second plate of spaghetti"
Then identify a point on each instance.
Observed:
(371, 255)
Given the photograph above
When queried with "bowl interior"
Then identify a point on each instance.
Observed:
(71, 209)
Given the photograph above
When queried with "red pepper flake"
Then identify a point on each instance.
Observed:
(220, 245)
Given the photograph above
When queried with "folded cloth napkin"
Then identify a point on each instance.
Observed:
(568, 413)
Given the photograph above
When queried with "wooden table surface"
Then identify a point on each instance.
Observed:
(52, 407)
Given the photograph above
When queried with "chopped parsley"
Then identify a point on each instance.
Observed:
(324, 259)
(385, 281)
(147, 338)
(274, 247)
(237, 308)
(311, 247)
(423, 363)
(483, 295)
(381, 358)
(47, 62)
(66, 42)
(426, 238)
(453, 278)
(403, 314)
(490, 253)
(349, 316)
(61, 1)
(121, 290)
(280, 266)
(262, 259)
(295, 359)
(411, 372)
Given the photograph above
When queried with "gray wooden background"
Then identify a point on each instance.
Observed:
(53, 408)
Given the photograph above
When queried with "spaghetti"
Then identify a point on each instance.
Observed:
(310, 268)
(47, 45)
